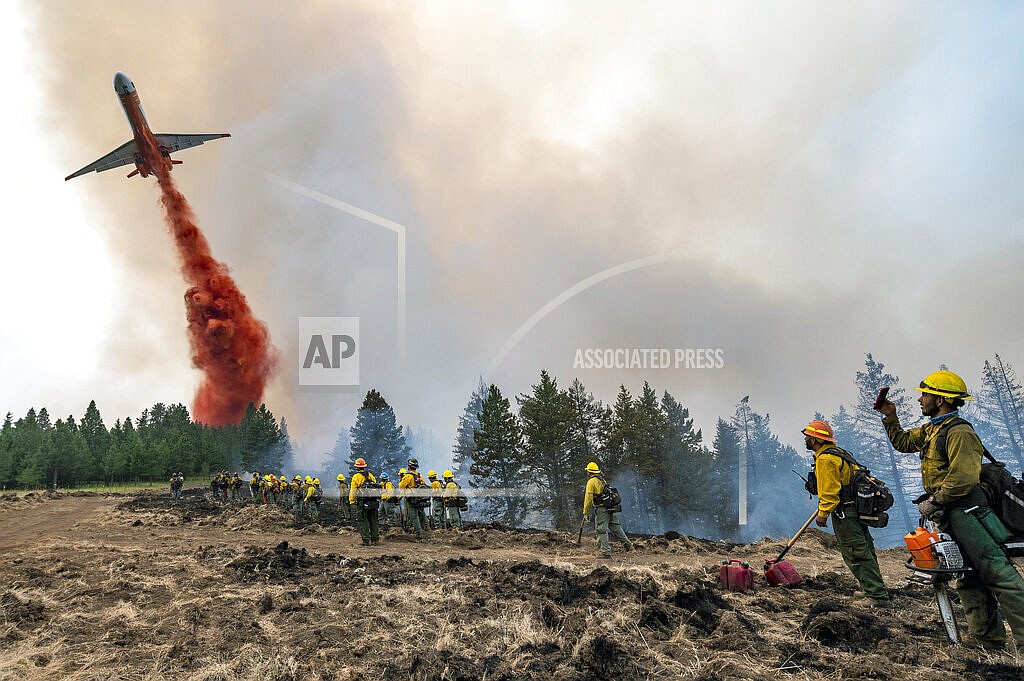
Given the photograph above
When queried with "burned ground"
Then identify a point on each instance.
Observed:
(139, 587)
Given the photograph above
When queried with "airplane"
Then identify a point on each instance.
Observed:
(131, 151)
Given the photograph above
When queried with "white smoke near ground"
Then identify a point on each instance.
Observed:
(810, 158)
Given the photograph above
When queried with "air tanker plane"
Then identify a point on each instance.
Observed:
(131, 151)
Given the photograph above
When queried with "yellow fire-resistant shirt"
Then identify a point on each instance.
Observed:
(831, 473)
(451, 491)
(357, 481)
(388, 491)
(594, 487)
(946, 477)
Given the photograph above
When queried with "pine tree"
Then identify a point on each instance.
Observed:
(723, 496)
(544, 417)
(589, 423)
(617, 438)
(261, 441)
(337, 460)
(285, 445)
(469, 422)
(690, 469)
(870, 445)
(27, 452)
(998, 408)
(376, 436)
(498, 461)
(96, 437)
(7, 453)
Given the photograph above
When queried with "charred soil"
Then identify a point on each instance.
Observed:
(140, 587)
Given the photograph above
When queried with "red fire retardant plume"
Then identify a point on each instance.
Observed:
(229, 345)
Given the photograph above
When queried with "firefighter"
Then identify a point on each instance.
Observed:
(313, 496)
(402, 506)
(437, 501)
(346, 508)
(605, 521)
(951, 455)
(364, 496)
(177, 481)
(294, 488)
(254, 485)
(389, 509)
(832, 474)
(452, 500)
(416, 499)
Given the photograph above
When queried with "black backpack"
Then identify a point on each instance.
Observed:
(871, 497)
(609, 498)
(1005, 493)
(368, 494)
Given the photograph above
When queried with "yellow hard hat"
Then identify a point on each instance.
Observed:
(341, 477)
(431, 474)
(402, 471)
(308, 480)
(592, 467)
(945, 384)
(448, 474)
(316, 481)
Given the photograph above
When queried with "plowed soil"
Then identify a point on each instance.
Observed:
(140, 587)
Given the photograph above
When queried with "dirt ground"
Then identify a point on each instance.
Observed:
(140, 587)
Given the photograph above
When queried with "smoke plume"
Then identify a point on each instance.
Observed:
(229, 344)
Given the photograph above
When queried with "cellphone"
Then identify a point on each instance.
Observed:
(882, 394)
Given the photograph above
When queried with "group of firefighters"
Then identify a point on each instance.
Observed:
(951, 457)
(417, 504)
(370, 500)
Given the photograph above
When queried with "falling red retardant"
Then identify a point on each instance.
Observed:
(229, 344)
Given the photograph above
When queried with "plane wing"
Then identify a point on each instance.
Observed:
(121, 156)
(174, 142)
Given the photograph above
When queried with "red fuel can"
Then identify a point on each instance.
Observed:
(782, 573)
(736, 575)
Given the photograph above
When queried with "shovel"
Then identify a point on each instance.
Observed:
(579, 537)
(780, 572)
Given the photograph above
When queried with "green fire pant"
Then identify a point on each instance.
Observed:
(993, 590)
(608, 524)
(369, 528)
(437, 514)
(858, 550)
(418, 518)
(454, 517)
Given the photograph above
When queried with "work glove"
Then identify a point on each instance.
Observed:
(821, 521)
(930, 510)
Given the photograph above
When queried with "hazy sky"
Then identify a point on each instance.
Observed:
(830, 178)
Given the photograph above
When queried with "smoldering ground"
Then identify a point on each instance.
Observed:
(142, 587)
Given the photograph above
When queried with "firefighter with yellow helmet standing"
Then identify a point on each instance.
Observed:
(454, 501)
(604, 517)
(346, 508)
(833, 472)
(436, 500)
(364, 496)
(951, 455)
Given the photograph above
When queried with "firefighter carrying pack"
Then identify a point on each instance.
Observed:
(609, 498)
(368, 494)
(1004, 492)
(870, 497)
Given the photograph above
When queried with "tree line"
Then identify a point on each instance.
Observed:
(528, 460)
(36, 451)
